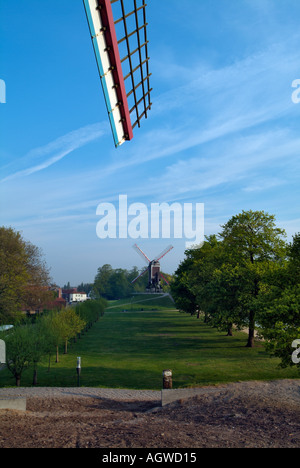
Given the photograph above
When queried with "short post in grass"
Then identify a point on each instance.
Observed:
(167, 379)
(78, 369)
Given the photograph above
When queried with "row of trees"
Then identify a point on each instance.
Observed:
(246, 276)
(113, 283)
(28, 343)
(117, 283)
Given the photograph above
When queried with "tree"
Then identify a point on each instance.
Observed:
(43, 342)
(252, 242)
(57, 327)
(225, 310)
(71, 325)
(18, 343)
(120, 286)
(84, 287)
(141, 284)
(117, 283)
(40, 340)
(229, 276)
(102, 284)
(13, 274)
(90, 311)
(23, 275)
(205, 262)
(181, 291)
(280, 317)
(294, 259)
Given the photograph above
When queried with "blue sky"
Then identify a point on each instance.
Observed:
(223, 129)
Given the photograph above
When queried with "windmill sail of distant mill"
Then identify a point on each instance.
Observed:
(153, 268)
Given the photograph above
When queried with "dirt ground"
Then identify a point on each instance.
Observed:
(239, 415)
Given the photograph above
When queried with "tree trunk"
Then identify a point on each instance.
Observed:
(229, 331)
(34, 377)
(49, 362)
(18, 380)
(56, 354)
(250, 343)
(66, 347)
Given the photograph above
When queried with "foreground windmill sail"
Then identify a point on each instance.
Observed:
(153, 269)
(121, 50)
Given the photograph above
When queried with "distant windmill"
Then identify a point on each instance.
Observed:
(154, 273)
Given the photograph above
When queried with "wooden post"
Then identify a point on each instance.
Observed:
(167, 379)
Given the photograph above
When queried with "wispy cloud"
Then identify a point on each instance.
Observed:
(215, 104)
(243, 160)
(47, 155)
(223, 145)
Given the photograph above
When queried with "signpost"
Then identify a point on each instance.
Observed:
(78, 369)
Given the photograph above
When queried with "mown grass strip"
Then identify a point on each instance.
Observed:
(130, 347)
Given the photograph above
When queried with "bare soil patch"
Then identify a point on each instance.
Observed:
(239, 415)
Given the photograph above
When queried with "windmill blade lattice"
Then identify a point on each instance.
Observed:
(163, 253)
(141, 274)
(141, 253)
(166, 281)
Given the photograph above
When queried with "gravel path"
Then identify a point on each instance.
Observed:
(278, 390)
(57, 392)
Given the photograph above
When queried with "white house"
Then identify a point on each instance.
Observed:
(77, 297)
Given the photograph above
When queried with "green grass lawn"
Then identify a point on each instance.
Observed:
(131, 348)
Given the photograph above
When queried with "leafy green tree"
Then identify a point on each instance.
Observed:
(45, 339)
(280, 316)
(91, 310)
(71, 324)
(224, 289)
(282, 332)
(23, 276)
(227, 278)
(102, 284)
(41, 340)
(85, 287)
(182, 294)
(117, 283)
(120, 286)
(294, 259)
(205, 261)
(13, 274)
(141, 284)
(56, 326)
(252, 241)
(25, 346)
(19, 353)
